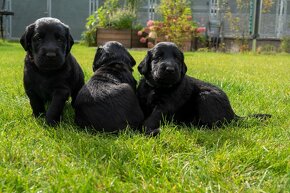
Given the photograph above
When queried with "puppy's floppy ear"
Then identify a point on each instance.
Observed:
(26, 38)
(132, 60)
(183, 65)
(70, 41)
(145, 64)
(97, 59)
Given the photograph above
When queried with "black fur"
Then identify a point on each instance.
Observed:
(51, 73)
(165, 90)
(108, 101)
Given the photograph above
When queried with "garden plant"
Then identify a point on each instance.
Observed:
(110, 15)
(176, 25)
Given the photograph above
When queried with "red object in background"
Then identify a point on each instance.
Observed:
(139, 33)
(143, 40)
(189, 18)
(150, 23)
(200, 30)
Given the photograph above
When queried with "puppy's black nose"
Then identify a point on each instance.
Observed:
(50, 54)
(169, 69)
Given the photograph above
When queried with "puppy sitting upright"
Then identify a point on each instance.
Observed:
(167, 91)
(51, 73)
(108, 101)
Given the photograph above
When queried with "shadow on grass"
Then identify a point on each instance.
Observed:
(123, 147)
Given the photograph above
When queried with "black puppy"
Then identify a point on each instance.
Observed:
(166, 91)
(108, 101)
(51, 73)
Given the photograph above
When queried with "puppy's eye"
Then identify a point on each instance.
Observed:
(59, 38)
(175, 56)
(38, 38)
(158, 58)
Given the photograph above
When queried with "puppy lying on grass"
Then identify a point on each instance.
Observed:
(108, 101)
(51, 73)
(166, 90)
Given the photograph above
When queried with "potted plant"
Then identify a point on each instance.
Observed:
(118, 27)
(111, 23)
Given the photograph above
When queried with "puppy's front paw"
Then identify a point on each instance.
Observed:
(42, 114)
(52, 120)
(153, 132)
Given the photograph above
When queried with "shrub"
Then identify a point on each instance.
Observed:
(177, 19)
(267, 49)
(89, 36)
(122, 19)
(285, 44)
(109, 15)
(105, 12)
(177, 25)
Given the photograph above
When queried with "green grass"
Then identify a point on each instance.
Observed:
(246, 157)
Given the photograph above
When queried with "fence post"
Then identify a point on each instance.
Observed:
(257, 8)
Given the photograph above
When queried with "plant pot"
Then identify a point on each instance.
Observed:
(106, 34)
(187, 45)
(127, 37)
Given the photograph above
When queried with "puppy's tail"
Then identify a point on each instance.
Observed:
(258, 116)
(261, 116)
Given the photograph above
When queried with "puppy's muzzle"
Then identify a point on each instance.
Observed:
(169, 69)
(50, 54)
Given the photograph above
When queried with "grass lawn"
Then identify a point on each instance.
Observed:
(247, 157)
